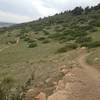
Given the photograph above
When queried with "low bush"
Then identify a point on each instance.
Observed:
(68, 33)
(86, 28)
(26, 38)
(83, 39)
(41, 38)
(46, 41)
(31, 41)
(67, 47)
(32, 45)
(12, 41)
(46, 32)
(22, 37)
(94, 44)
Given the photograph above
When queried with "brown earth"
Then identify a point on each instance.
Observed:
(80, 83)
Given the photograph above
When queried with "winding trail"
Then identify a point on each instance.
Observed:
(80, 84)
(90, 70)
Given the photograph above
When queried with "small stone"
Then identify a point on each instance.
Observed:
(41, 96)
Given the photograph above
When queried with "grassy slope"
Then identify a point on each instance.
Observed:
(20, 62)
(96, 35)
(94, 58)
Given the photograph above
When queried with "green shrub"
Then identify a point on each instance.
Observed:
(93, 30)
(67, 35)
(37, 27)
(22, 37)
(77, 11)
(86, 28)
(67, 47)
(97, 23)
(22, 31)
(59, 29)
(8, 35)
(41, 38)
(46, 32)
(55, 35)
(32, 45)
(83, 39)
(62, 50)
(12, 41)
(94, 44)
(31, 41)
(46, 41)
(66, 38)
(26, 39)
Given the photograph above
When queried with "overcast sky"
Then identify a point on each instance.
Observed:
(17, 11)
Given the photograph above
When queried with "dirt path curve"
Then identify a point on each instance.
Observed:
(79, 84)
(93, 78)
(90, 70)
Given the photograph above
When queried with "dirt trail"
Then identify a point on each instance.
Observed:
(90, 70)
(80, 84)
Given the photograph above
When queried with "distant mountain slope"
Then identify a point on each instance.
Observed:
(4, 24)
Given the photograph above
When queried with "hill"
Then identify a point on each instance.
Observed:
(32, 55)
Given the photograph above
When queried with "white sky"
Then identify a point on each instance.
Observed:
(27, 10)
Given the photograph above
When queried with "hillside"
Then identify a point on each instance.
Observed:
(36, 55)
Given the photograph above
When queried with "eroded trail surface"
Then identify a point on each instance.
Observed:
(80, 83)
(93, 78)
(93, 73)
